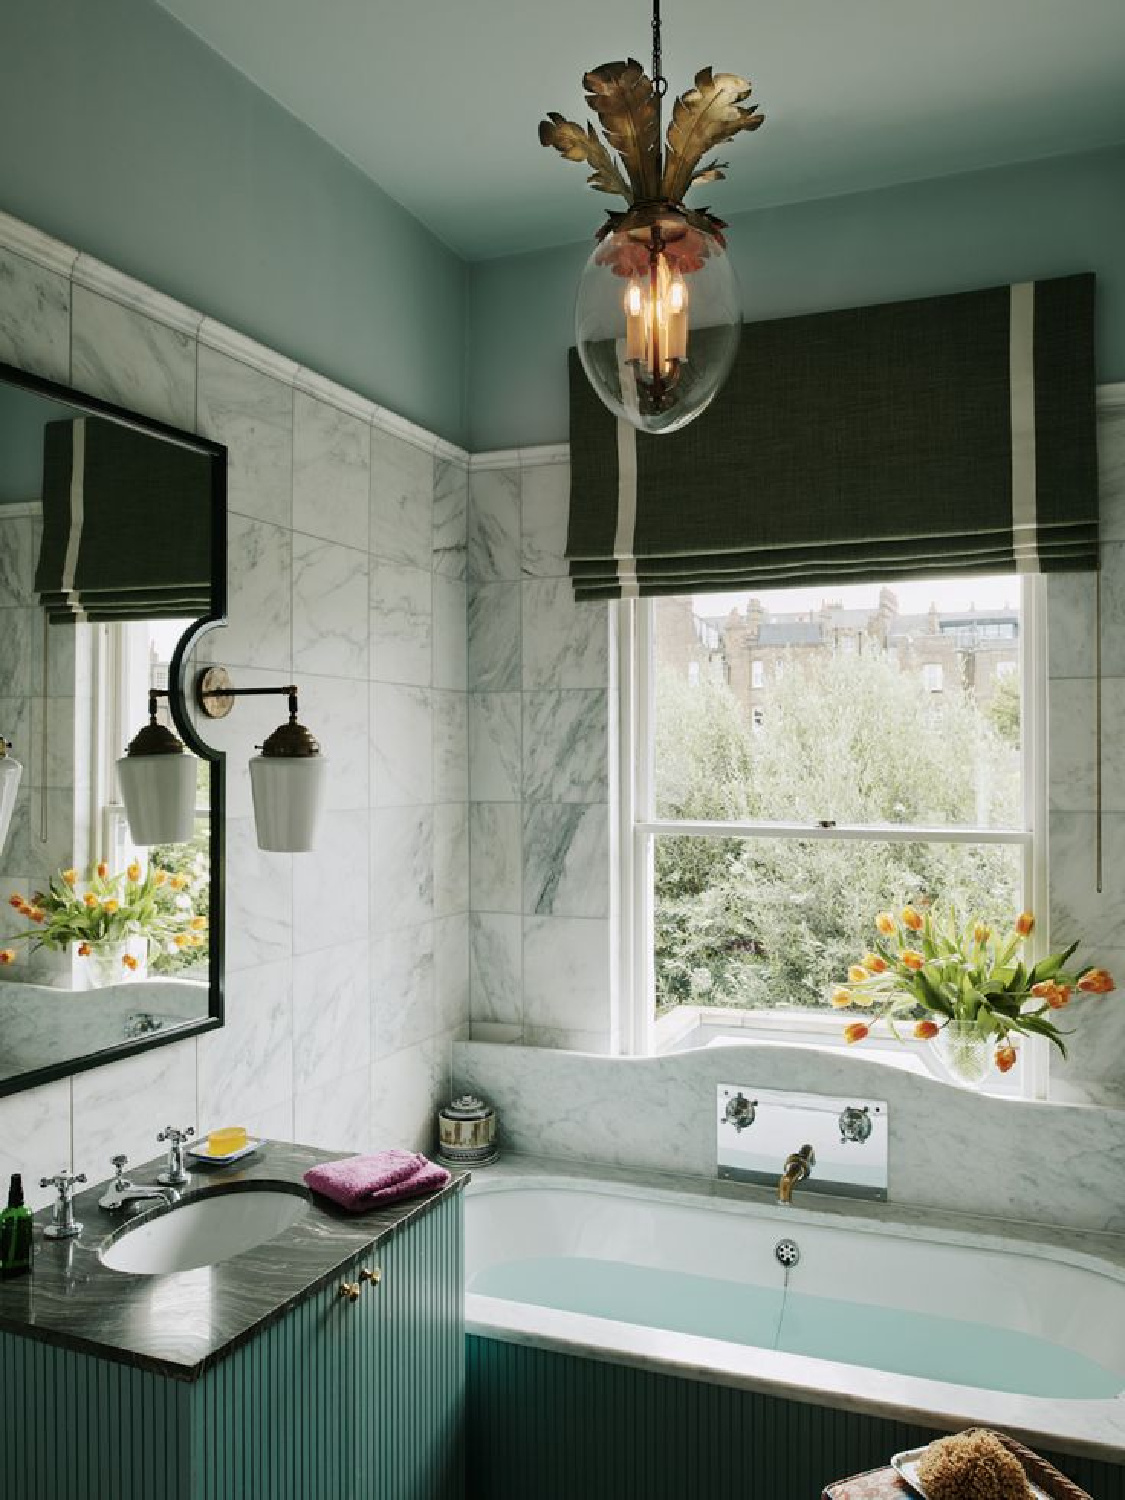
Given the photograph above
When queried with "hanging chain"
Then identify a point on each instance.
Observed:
(658, 78)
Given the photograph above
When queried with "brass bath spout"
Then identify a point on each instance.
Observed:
(798, 1167)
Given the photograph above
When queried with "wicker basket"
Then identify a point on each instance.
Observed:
(1053, 1484)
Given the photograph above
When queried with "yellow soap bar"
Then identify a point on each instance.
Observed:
(227, 1141)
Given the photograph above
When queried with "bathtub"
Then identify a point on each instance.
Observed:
(907, 1330)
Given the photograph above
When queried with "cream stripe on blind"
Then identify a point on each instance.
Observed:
(77, 511)
(1021, 371)
(624, 540)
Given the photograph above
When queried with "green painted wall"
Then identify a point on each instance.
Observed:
(949, 234)
(125, 136)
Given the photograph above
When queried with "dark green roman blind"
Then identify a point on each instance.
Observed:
(126, 525)
(944, 435)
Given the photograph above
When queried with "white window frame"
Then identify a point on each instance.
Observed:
(637, 829)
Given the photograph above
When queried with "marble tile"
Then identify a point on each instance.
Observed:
(401, 624)
(451, 747)
(565, 747)
(566, 973)
(248, 1065)
(273, 1123)
(494, 747)
(494, 525)
(330, 885)
(451, 858)
(331, 1013)
(564, 1040)
(331, 481)
(451, 972)
(121, 1107)
(496, 968)
(402, 867)
(259, 889)
(566, 859)
(336, 1116)
(18, 559)
(252, 414)
(14, 856)
(545, 512)
(1070, 625)
(52, 731)
(34, 318)
(1111, 473)
(402, 501)
(1073, 744)
(494, 856)
(35, 1133)
(402, 970)
(1047, 1163)
(565, 644)
(260, 572)
(337, 715)
(1077, 910)
(451, 512)
(330, 609)
(61, 658)
(51, 835)
(1113, 608)
(451, 649)
(403, 746)
(494, 637)
(406, 1091)
(19, 630)
(123, 356)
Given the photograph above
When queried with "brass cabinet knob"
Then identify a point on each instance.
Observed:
(373, 1276)
(350, 1290)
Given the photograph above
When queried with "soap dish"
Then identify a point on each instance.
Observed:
(201, 1153)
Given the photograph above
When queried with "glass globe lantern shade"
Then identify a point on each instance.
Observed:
(657, 322)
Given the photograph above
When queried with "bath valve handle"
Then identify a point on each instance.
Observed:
(855, 1123)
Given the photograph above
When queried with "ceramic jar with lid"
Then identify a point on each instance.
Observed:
(467, 1132)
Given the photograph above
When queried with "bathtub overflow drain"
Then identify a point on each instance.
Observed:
(787, 1252)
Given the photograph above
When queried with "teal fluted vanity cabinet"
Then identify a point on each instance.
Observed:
(333, 1400)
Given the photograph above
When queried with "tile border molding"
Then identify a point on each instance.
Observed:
(33, 245)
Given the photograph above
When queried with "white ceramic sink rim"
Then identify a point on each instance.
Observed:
(205, 1230)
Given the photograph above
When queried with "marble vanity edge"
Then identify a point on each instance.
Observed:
(395, 1218)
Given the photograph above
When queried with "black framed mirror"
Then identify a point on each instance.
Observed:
(112, 564)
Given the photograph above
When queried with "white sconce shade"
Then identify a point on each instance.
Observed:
(288, 795)
(159, 793)
(10, 773)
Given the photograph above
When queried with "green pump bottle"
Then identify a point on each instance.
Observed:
(15, 1233)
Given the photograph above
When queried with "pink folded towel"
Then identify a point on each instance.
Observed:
(361, 1182)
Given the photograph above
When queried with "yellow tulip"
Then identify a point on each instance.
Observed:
(7, 955)
(109, 905)
(912, 960)
(874, 962)
(177, 882)
(90, 900)
(70, 876)
(855, 1032)
(1024, 923)
(103, 869)
(981, 933)
(134, 872)
(885, 924)
(840, 997)
(180, 940)
(857, 974)
(198, 924)
(160, 877)
(912, 918)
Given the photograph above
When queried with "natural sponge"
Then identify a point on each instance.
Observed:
(973, 1465)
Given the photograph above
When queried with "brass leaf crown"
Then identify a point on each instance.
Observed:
(627, 105)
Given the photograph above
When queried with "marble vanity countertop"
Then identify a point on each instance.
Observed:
(182, 1324)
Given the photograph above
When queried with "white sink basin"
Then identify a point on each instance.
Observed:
(204, 1231)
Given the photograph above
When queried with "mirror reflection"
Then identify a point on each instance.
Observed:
(105, 563)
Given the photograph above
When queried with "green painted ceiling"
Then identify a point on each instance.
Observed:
(438, 100)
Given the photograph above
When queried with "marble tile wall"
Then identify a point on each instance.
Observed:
(1078, 908)
(348, 968)
(38, 674)
(538, 771)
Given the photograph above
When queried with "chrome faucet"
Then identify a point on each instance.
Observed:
(122, 1191)
(64, 1226)
(798, 1167)
(175, 1174)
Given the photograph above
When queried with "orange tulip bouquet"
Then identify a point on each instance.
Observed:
(100, 915)
(965, 987)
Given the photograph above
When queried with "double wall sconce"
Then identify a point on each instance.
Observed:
(10, 773)
(287, 777)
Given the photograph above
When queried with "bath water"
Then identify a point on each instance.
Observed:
(882, 1338)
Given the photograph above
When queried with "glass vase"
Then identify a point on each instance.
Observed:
(107, 964)
(964, 1052)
